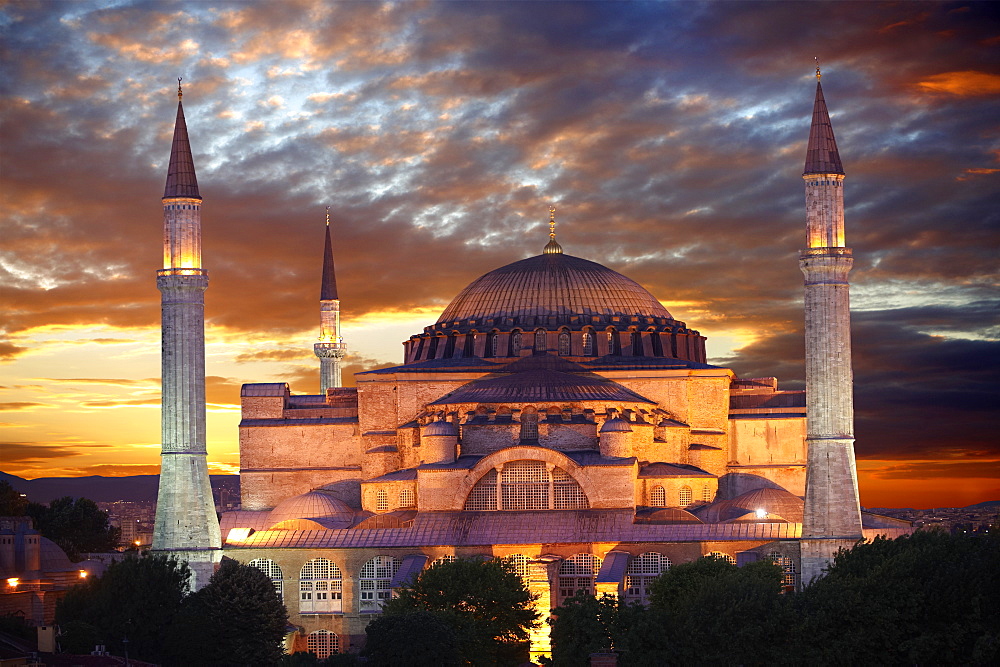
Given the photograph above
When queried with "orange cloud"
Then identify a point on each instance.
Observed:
(965, 83)
(21, 405)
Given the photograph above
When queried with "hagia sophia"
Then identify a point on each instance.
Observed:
(555, 414)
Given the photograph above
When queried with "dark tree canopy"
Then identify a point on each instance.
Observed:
(237, 619)
(413, 639)
(77, 525)
(485, 601)
(12, 503)
(138, 598)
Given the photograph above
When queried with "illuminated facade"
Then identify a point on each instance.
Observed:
(555, 414)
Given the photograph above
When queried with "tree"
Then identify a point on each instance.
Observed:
(12, 503)
(485, 601)
(137, 598)
(76, 525)
(413, 639)
(236, 619)
(584, 625)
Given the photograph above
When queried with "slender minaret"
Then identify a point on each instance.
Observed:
(832, 512)
(186, 524)
(330, 349)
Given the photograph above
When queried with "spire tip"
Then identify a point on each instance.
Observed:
(180, 93)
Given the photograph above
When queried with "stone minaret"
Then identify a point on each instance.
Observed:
(186, 524)
(330, 349)
(832, 512)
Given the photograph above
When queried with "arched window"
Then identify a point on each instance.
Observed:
(540, 343)
(273, 572)
(721, 556)
(787, 567)
(444, 559)
(373, 582)
(515, 344)
(637, 350)
(658, 497)
(492, 343)
(564, 349)
(641, 572)
(323, 643)
(578, 573)
(381, 501)
(706, 493)
(320, 590)
(526, 485)
(520, 563)
(529, 426)
(684, 496)
(614, 347)
(406, 498)
(588, 344)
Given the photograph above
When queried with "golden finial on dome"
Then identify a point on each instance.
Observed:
(180, 93)
(552, 248)
(818, 75)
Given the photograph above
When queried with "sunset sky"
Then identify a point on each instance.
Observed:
(670, 136)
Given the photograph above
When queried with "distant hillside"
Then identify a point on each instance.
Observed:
(104, 489)
(985, 505)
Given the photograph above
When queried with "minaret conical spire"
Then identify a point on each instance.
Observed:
(330, 349)
(181, 178)
(822, 156)
(328, 290)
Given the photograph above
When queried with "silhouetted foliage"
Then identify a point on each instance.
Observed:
(12, 503)
(236, 619)
(77, 525)
(485, 601)
(136, 598)
(412, 639)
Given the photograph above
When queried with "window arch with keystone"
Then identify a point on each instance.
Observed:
(526, 485)
(320, 588)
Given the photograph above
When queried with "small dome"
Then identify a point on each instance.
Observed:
(441, 428)
(312, 505)
(774, 502)
(664, 516)
(616, 425)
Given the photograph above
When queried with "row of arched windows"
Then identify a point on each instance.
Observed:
(405, 500)
(526, 485)
(685, 496)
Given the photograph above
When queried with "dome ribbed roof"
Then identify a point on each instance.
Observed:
(550, 285)
(312, 505)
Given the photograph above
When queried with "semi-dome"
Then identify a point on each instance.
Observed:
(552, 285)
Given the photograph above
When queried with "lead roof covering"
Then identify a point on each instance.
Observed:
(557, 285)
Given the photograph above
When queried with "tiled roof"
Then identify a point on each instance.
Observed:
(328, 287)
(822, 156)
(181, 179)
(491, 528)
(672, 470)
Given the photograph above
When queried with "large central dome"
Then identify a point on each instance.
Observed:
(552, 285)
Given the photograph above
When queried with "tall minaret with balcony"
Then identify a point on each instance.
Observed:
(330, 349)
(832, 511)
(186, 524)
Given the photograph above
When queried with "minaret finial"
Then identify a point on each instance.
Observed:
(180, 93)
(818, 75)
(552, 248)
(327, 216)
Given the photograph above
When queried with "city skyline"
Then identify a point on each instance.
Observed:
(669, 136)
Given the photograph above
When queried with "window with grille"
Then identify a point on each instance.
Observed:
(444, 559)
(323, 643)
(271, 569)
(613, 346)
(564, 344)
(706, 493)
(588, 343)
(726, 557)
(382, 501)
(320, 588)
(373, 582)
(658, 497)
(406, 498)
(492, 343)
(540, 342)
(515, 344)
(684, 496)
(529, 426)
(787, 567)
(641, 572)
(520, 563)
(526, 485)
(577, 573)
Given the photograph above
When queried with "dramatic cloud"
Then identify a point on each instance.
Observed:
(670, 136)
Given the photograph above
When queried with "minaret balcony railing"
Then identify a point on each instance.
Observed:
(827, 252)
(181, 272)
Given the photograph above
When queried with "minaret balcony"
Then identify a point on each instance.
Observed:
(181, 272)
(329, 348)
